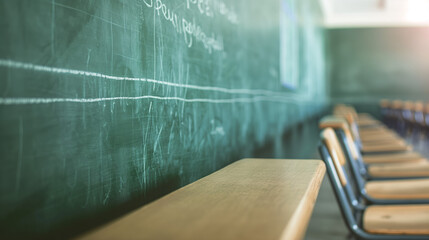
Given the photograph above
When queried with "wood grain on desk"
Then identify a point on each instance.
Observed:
(249, 199)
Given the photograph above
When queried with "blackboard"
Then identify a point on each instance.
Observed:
(107, 105)
(387, 63)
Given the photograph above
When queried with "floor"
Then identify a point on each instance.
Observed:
(326, 222)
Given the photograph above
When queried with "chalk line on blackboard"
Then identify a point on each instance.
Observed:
(21, 101)
(41, 68)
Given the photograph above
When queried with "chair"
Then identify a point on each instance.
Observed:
(404, 191)
(418, 113)
(426, 114)
(404, 166)
(394, 222)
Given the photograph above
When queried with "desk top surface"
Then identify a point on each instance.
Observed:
(248, 199)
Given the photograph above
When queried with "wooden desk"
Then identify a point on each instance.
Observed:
(249, 199)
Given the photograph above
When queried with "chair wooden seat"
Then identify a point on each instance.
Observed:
(377, 134)
(376, 137)
(415, 169)
(368, 121)
(365, 116)
(376, 128)
(383, 141)
(387, 143)
(397, 219)
(385, 148)
(398, 189)
(393, 158)
(379, 137)
(371, 123)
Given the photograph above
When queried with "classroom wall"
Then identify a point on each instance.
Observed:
(108, 105)
(368, 64)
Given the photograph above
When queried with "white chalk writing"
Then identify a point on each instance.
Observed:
(189, 29)
(211, 8)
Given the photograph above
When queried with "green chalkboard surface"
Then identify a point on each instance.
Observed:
(386, 63)
(106, 104)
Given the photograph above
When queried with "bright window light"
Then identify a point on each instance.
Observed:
(418, 11)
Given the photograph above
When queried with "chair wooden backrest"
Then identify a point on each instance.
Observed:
(384, 103)
(408, 105)
(426, 114)
(351, 117)
(407, 109)
(350, 149)
(418, 112)
(418, 106)
(397, 104)
(330, 139)
(337, 122)
(397, 109)
(426, 108)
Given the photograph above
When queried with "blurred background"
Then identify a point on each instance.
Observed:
(377, 49)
